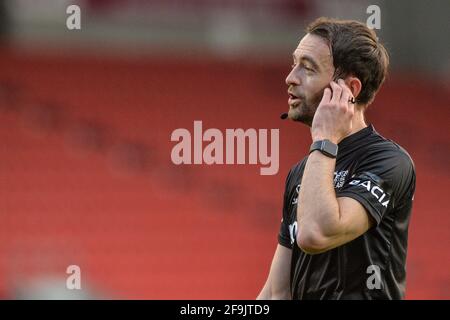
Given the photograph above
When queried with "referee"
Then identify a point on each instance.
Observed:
(347, 205)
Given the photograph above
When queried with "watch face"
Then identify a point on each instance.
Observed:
(329, 148)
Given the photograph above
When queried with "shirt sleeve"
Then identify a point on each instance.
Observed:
(284, 235)
(383, 180)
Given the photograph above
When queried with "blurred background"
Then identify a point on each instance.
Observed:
(86, 116)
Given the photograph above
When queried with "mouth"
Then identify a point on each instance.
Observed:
(293, 99)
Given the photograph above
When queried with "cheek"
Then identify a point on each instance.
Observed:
(314, 87)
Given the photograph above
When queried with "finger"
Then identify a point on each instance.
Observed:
(344, 86)
(345, 97)
(346, 93)
(326, 95)
(337, 92)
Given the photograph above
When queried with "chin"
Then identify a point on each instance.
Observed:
(296, 114)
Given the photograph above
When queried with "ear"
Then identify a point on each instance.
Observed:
(354, 84)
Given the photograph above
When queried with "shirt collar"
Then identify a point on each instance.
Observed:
(359, 135)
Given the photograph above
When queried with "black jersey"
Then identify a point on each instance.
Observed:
(380, 175)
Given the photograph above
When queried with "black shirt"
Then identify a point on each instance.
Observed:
(381, 176)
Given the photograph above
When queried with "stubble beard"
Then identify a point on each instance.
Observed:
(305, 110)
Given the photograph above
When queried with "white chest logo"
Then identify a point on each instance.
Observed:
(339, 178)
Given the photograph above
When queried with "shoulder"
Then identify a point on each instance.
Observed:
(375, 149)
(387, 154)
(390, 163)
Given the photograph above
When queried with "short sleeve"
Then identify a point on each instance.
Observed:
(383, 179)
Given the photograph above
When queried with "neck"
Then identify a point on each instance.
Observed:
(358, 121)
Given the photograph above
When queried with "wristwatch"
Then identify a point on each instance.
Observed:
(327, 147)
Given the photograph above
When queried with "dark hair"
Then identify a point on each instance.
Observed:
(356, 51)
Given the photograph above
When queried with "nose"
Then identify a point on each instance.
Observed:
(292, 79)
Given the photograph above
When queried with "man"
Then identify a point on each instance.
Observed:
(347, 204)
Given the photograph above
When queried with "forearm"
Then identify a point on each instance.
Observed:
(270, 293)
(277, 285)
(318, 209)
(321, 224)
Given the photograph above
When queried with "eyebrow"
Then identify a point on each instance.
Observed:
(309, 59)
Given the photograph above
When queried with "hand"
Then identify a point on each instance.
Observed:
(333, 118)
